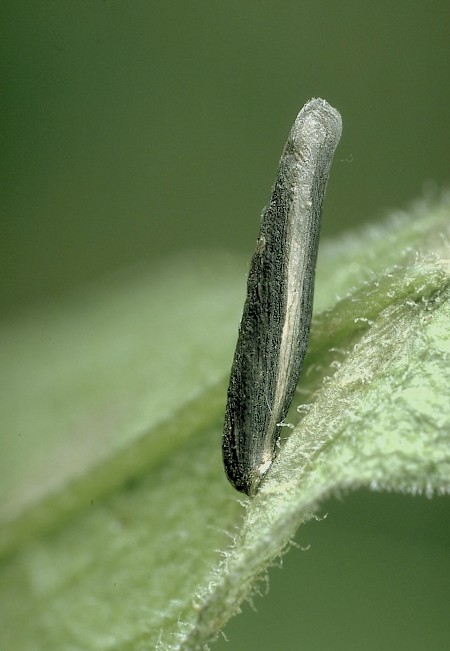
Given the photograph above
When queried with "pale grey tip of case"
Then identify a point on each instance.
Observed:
(316, 117)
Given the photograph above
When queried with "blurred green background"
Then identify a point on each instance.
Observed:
(132, 130)
(371, 576)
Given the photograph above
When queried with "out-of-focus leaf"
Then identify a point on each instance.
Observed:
(118, 528)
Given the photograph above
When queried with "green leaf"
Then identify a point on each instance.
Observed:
(118, 528)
